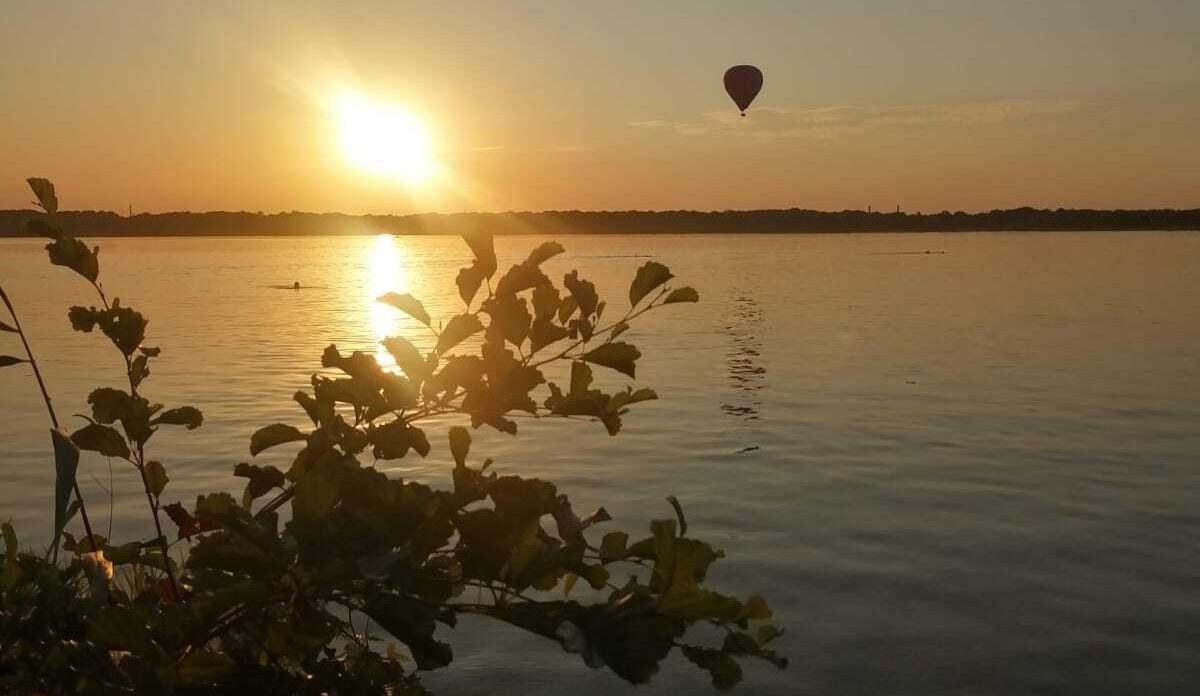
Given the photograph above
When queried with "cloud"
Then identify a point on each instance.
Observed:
(769, 123)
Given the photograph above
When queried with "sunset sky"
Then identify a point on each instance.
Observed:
(956, 104)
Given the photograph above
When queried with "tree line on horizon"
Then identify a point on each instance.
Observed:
(14, 223)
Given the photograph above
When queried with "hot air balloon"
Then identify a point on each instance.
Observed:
(743, 82)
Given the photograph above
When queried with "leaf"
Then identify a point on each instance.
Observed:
(618, 356)
(618, 329)
(544, 333)
(156, 477)
(569, 583)
(271, 435)
(649, 277)
(408, 304)
(411, 623)
(6, 360)
(544, 252)
(139, 370)
(408, 358)
(612, 547)
(519, 278)
(509, 318)
(581, 377)
(6, 327)
(567, 308)
(583, 291)
(484, 250)
(458, 329)
(263, 479)
(189, 416)
(44, 190)
(75, 255)
(468, 282)
(726, 673)
(66, 464)
(393, 440)
(684, 294)
(187, 524)
(460, 444)
(545, 302)
(102, 439)
(83, 318)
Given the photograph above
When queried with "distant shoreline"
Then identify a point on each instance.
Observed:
(792, 221)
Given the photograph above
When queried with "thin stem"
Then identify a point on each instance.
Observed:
(37, 373)
(140, 465)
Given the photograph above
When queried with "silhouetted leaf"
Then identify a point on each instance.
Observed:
(156, 477)
(393, 440)
(6, 360)
(408, 304)
(187, 524)
(618, 329)
(649, 277)
(125, 327)
(102, 439)
(684, 294)
(139, 370)
(566, 308)
(272, 435)
(413, 624)
(545, 302)
(44, 190)
(483, 248)
(75, 255)
(408, 358)
(619, 356)
(581, 377)
(583, 291)
(509, 318)
(184, 415)
(726, 673)
(468, 282)
(6, 327)
(458, 329)
(66, 463)
(544, 252)
(612, 546)
(83, 318)
(460, 444)
(544, 333)
(262, 480)
(519, 278)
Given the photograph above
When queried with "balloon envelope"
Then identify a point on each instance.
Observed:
(743, 82)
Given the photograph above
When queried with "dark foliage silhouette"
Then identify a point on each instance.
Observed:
(331, 577)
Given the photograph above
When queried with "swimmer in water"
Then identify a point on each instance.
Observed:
(296, 285)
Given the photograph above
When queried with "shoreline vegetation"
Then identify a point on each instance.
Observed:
(14, 223)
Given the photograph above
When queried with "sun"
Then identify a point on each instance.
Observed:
(385, 140)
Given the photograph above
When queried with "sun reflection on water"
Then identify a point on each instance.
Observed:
(388, 272)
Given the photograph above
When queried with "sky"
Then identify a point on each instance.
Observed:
(927, 105)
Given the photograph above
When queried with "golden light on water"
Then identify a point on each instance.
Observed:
(387, 272)
(385, 139)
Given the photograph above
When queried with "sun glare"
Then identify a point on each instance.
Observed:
(385, 140)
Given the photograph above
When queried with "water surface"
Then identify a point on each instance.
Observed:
(969, 472)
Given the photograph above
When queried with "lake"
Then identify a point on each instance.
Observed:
(974, 471)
